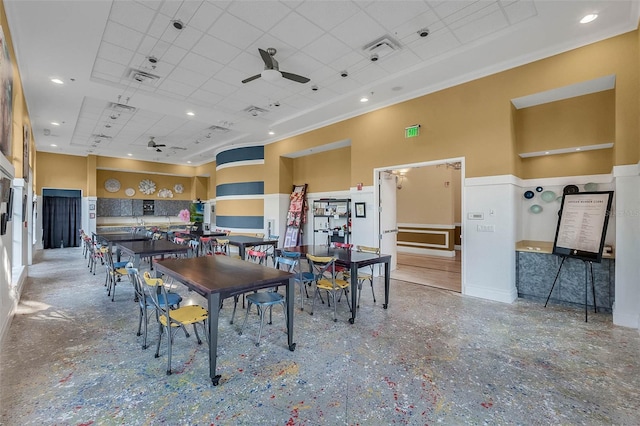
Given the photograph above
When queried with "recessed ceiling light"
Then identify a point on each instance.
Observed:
(53, 123)
(589, 18)
(130, 154)
(191, 113)
(546, 152)
(271, 132)
(577, 149)
(57, 81)
(53, 144)
(364, 99)
(188, 162)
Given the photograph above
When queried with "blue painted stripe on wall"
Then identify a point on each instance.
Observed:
(240, 154)
(69, 193)
(243, 222)
(240, 188)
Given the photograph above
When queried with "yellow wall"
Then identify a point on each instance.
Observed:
(20, 114)
(61, 172)
(426, 198)
(475, 120)
(132, 180)
(325, 171)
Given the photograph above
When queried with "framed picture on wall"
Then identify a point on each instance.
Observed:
(361, 210)
(25, 150)
(6, 97)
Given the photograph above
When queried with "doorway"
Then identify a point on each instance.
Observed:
(425, 239)
(61, 218)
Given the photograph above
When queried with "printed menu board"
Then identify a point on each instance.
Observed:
(582, 225)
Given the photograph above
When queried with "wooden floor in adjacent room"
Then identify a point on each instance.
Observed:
(435, 271)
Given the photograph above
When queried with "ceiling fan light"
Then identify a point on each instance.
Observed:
(271, 75)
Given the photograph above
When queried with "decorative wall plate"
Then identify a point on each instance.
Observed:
(535, 209)
(147, 186)
(112, 185)
(178, 188)
(548, 196)
(529, 195)
(165, 193)
(130, 192)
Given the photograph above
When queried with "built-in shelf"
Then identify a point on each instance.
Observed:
(566, 150)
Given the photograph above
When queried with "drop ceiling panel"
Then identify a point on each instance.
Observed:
(234, 31)
(296, 30)
(327, 17)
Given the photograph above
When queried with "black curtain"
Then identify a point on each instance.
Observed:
(60, 221)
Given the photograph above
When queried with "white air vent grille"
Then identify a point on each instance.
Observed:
(219, 129)
(255, 111)
(382, 47)
(143, 77)
(122, 107)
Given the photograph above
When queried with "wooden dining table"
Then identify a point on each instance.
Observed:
(353, 260)
(113, 238)
(150, 248)
(219, 277)
(245, 241)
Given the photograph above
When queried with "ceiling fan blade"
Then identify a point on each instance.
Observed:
(159, 145)
(246, 80)
(268, 59)
(294, 77)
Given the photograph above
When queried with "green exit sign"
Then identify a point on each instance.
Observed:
(412, 131)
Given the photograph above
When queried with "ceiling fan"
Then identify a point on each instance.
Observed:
(153, 145)
(271, 70)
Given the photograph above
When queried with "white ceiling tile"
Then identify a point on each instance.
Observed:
(234, 31)
(259, 14)
(187, 77)
(436, 44)
(296, 30)
(327, 49)
(248, 63)
(359, 30)
(170, 8)
(409, 30)
(445, 9)
(219, 87)
(174, 55)
(198, 63)
(394, 13)
(350, 62)
(174, 93)
(132, 15)
(122, 36)
(212, 48)
(482, 25)
(187, 10)
(113, 53)
(327, 15)
(202, 97)
(400, 61)
(188, 37)
(109, 68)
(520, 10)
(206, 15)
(230, 76)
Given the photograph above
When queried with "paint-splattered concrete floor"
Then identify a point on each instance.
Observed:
(72, 357)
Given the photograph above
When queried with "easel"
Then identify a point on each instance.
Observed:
(586, 286)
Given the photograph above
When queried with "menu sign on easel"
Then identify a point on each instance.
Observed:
(582, 225)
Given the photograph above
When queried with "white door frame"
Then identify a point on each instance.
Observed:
(463, 214)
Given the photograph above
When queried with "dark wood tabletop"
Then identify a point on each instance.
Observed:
(151, 247)
(219, 277)
(244, 241)
(353, 260)
(221, 274)
(114, 237)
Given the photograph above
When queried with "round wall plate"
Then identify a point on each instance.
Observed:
(112, 185)
(178, 188)
(570, 189)
(529, 195)
(130, 192)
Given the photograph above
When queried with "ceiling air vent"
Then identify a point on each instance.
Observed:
(255, 111)
(219, 129)
(100, 136)
(122, 108)
(381, 48)
(143, 77)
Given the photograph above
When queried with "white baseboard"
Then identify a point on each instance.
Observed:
(430, 252)
(490, 294)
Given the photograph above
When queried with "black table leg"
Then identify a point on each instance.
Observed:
(290, 294)
(387, 279)
(214, 311)
(354, 292)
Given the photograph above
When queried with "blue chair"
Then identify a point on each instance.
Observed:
(145, 304)
(302, 278)
(268, 299)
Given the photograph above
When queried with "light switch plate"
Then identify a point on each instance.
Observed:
(486, 228)
(475, 216)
